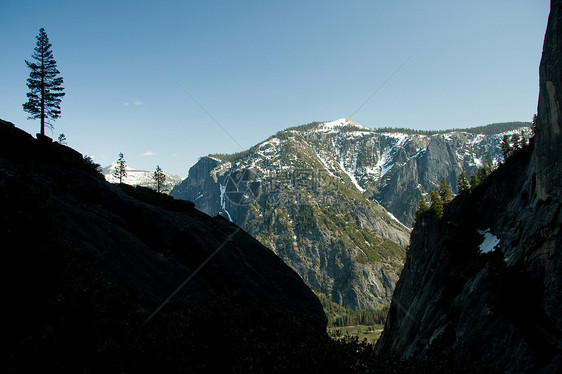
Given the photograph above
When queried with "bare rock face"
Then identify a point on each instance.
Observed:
(483, 283)
(339, 242)
(548, 156)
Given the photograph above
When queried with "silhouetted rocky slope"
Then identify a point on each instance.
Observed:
(85, 263)
(502, 308)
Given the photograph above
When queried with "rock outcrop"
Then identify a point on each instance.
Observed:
(483, 283)
(85, 263)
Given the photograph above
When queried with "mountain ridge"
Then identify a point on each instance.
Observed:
(385, 153)
(316, 195)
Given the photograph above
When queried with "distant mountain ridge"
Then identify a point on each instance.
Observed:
(143, 178)
(395, 166)
(316, 194)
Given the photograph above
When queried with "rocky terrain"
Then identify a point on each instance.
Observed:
(316, 194)
(106, 278)
(483, 283)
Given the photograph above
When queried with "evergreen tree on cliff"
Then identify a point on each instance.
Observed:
(423, 207)
(464, 184)
(45, 85)
(436, 205)
(507, 149)
(159, 178)
(120, 168)
(444, 192)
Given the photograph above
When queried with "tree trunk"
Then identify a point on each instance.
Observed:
(42, 97)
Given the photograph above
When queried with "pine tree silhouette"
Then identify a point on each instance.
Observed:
(45, 86)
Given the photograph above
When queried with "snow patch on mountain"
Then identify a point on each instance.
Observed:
(337, 125)
(324, 163)
(223, 201)
(351, 175)
(490, 241)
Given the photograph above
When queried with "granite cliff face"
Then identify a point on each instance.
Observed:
(483, 283)
(341, 244)
(319, 196)
(86, 263)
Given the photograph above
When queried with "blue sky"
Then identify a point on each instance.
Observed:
(131, 68)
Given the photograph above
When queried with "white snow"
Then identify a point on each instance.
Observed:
(477, 161)
(383, 161)
(332, 126)
(401, 137)
(386, 169)
(419, 152)
(223, 202)
(351, 176)
(490, 241)
(326, 166)
(397, 220)
(476, 139)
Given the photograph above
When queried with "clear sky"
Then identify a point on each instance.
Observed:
(135, 71)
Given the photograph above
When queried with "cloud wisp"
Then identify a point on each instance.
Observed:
(133, 102)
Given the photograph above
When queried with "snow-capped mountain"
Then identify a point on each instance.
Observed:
(395, 167)
(142, 178)
(324, 197)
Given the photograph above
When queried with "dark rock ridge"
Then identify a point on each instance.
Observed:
(503, 307)
(142, 243)
(316, 194)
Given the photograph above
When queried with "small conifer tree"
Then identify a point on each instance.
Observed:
(485, 171)
(507, 149)
(159, 178)
(474, 181)
(62, 139)
(120, 170)
(423, 207)
(516, 140)
(436, 205)
(444, 192)
(464, 184)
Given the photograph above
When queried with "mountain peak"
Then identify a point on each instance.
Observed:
(342, 122)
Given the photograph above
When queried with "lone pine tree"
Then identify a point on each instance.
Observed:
(159, 178)
(45, 86)
(120, 170)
